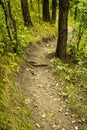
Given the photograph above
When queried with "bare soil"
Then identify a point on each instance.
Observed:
(40, 85)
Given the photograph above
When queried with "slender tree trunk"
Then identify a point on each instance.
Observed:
(26, 13)
(54, 4)
(39, 11)
(6, 19)
(10, 24)
(62, 29)
(75, 13)
(14, 27)
(76, 9)
(31, 5)
(80, 34)
(46, 13)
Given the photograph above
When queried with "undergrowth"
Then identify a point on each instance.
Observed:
(36, 34)
(75, 89)
(14, 114)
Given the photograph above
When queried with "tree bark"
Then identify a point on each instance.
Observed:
(62, 29)
(26, 13)
(46, 13)
(54, 4)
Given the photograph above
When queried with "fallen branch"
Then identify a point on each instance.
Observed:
(35, 64)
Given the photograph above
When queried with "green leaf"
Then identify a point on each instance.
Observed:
(1, 50)
(64, 94)
(2, 44)
(68, 78)
(60, 68)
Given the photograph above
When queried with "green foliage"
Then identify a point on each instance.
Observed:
(78, 48)
(36, 34)
(74, 77)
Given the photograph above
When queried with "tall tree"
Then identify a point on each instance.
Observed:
(46, 12)
(62, 28)
(54, 4)
(10, 23)
(26, 13)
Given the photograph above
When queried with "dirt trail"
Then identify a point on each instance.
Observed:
(39, 83)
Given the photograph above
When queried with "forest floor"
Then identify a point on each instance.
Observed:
(39, 83)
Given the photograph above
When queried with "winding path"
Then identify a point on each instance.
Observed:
(40, 84)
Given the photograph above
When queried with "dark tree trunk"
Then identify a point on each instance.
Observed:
(26, 13)
(62, 29)
(54, 5)
(46, 13)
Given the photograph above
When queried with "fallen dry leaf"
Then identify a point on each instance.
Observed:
(63, 129)
(37, 125)
(55, 99)
(44, 115)
(54, 126)
(52, 113)
(76, 127)
(73, 121)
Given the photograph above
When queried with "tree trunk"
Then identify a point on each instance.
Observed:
(6, 19)
(10, 24)
(26, 13)
(46, 13)
(62, 29)
(76, 9)
(39, 11)
(54, 4)
(31, 5)
(14, 28)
